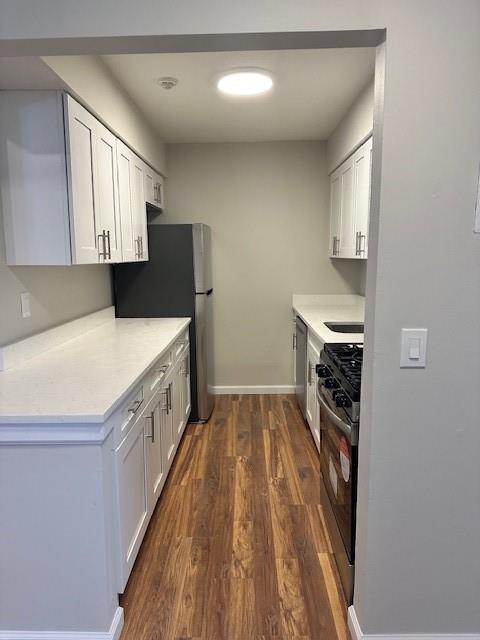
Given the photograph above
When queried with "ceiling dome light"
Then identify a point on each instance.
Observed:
(245, 82)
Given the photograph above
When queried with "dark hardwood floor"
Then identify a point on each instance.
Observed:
(237, 547)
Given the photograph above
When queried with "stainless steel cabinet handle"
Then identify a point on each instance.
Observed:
(361, 236)
(294, 345)
(109, 245)
(165, 397)
(163, 368)
(152, 417)
(170, 397)
(102, 254)
(155, 197)
(336, 245)
(357, 244)
(133, 408)
(140, 240)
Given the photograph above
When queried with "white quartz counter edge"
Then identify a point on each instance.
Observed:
(318, 309)
(105, 363)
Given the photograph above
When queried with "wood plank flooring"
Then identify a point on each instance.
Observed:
(237, 547)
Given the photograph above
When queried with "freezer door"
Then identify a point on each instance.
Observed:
(201, 257)
(204, 352)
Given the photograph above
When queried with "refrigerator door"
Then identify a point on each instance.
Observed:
(203, 317)
(202, 258)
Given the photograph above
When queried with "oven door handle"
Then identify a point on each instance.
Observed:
(343, 426)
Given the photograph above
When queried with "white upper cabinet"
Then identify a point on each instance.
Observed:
(139, 208)
(362, 161)
(82, 189)
(153, 186)
(125, 200)
(110, 231)
(72, 193)
(350, 205)
(132, 204)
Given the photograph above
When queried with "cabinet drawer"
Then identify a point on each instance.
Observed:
(180, 344)
(126, 416)
(159, 371)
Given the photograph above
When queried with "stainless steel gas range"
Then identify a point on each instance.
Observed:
(338, 392)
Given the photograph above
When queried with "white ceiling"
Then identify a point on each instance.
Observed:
(313, 90)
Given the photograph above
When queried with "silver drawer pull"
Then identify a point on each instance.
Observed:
(133, 408)
(163, 368)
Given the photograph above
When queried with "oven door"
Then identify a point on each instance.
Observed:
(338, 463)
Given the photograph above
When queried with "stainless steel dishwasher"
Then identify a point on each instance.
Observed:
(301, 363)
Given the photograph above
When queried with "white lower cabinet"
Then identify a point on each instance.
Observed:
(314, 348)
(144, 456)
(130, 466)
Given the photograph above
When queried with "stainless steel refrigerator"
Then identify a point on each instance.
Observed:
(175, 282)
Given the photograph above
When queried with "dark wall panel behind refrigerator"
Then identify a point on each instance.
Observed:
(163, 287)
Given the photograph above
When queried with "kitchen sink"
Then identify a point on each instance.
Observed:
(344, 327)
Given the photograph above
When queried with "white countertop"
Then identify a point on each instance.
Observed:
(315, 310)
(84, 379)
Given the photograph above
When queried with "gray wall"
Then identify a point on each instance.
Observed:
(354, 127)
(418, 566)
(268, 206)
(90, 79)
(57, 294)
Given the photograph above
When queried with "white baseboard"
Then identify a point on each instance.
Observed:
(251, 389)
(357, 634)
(112, 634)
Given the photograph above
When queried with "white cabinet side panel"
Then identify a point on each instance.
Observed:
(33, 178)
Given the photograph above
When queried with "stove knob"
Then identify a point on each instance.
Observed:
(321, 370)
(342, 400)
(331, 383)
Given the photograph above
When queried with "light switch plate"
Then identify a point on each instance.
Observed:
(25, 304)
(413, 349)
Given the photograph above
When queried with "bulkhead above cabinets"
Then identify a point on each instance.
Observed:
(72, 191)
(350, 205)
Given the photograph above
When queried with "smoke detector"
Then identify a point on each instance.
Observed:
(167, 82)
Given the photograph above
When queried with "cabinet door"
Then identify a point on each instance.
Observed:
(132, 497)
(155, 449)
(362, 161)
(168, 426)
(186, 393)
(347, 231)
(126, 203)
(149, 184)
(335, 213)
(311, 388)
(177, 403)
(159, 192)
(81, 133)
(139, 208)
(108, 209)
(153, 185)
